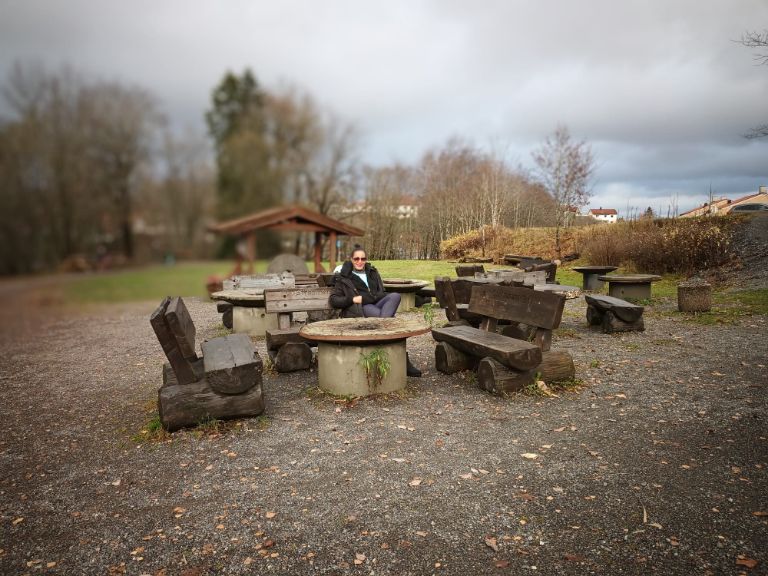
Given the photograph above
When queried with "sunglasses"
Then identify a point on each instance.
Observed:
(358, 259)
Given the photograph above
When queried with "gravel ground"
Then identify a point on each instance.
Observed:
(657, 465)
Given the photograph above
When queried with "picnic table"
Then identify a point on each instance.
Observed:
(570, 292)
(249, 315)
(407, 289)
(636, 286)
(591, 280)
(350, 350)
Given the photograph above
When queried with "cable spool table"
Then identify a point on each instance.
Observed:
(406, 288)
(350, 349)
(634, 286)
(591, 273)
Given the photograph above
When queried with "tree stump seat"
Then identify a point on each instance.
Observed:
(224, 383)
(614, 314)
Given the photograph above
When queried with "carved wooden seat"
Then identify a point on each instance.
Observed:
(509, 361)
(224, 383)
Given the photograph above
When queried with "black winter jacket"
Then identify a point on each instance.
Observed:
(347, 285)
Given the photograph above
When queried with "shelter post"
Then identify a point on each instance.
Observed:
(332, 252)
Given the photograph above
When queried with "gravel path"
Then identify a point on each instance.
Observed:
(657, 465)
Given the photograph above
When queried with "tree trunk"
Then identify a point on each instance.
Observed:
(449, 360)
(497, 379)
(556, 366)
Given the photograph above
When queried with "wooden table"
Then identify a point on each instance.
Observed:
(633, 286)
(345, 346)
(248, 313)
(407, 289)
(591, 273)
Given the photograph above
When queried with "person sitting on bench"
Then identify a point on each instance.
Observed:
(358, 291)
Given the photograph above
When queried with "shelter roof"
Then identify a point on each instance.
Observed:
(292, 217)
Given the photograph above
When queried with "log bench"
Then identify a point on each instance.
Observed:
(509, 361)
(286, 348)
(224, 383)
(614, 314)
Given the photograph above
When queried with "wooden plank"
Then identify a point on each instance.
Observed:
(180, 365)
(181, 326)
(446, 298)
(541, 309)
(297, 300)
(231, 364)
(624, 310)
(510, 352)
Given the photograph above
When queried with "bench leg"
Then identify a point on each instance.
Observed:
(611, 323)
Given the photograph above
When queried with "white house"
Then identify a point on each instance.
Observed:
(604, 214)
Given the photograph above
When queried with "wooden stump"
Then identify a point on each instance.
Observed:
(293, 356)
(612, 323)
(232, 365)
(498, 379)
(449, 360)
(556, 366)
(225, 309)
(696, 298)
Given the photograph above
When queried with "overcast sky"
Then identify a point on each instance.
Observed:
(660, 89)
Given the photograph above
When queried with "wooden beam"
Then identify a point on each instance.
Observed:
(318, 252)
(332, 252)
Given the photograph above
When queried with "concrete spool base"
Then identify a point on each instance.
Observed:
(252, 321)
(341, 372)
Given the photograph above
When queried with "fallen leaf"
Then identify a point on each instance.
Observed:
(759, 513)
(398, 460)
(248, 561)
(559, 429)
(269, 515)
(421, 533)
(17, 521)
(359, 558)
(50, 564)
(415, 482)
(491, 543)
(746, 562)
(501, 563)
(574, 557)
(467, 476)
(529, 455)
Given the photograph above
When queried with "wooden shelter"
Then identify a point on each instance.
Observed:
(292, 217)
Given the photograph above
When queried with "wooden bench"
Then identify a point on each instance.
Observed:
(506, 363)
(469, 269)
(614, 314)
(224, 383)
(286, 348)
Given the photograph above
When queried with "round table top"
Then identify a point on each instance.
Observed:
(363, 329)
(243, 295)
(594, 269)
(403, 285)
(629, 278)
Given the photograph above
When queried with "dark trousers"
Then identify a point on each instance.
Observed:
(384, 308)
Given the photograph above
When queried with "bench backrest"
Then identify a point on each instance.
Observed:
(175, 331)
(469, 269)
(277, 301)
(516, 304)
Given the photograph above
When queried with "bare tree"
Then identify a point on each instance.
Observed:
(565, 168)
(757, 40)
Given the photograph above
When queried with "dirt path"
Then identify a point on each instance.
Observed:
(658, 465)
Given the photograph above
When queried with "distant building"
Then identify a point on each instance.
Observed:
(724, 205)
(608, 215)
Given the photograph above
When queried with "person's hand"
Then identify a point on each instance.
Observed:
(357, 299)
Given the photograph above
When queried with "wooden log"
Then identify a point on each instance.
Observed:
(181, 326)
(498, 379)
(276, 337)
(450, 360)
(182, 367)
(594, 316)
(519, 330)
(170, 376)
(510, 352)
(232, 365)
(612, 323)
(182, 405)
(446, 297)
(293, 356)
(556, 366)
